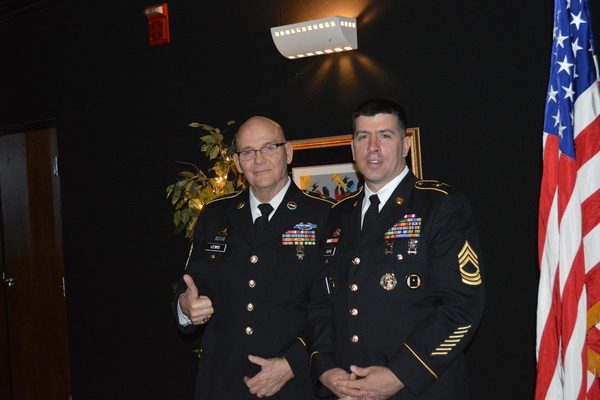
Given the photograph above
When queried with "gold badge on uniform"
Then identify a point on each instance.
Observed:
(388, 281)
(399, 200)
(240, 205)
(291, 205)
(300, 252)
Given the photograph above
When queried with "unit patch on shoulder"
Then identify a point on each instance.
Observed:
(468, 263)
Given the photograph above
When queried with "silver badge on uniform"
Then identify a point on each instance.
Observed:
(412, 246)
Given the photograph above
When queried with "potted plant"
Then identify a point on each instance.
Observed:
(195, 188)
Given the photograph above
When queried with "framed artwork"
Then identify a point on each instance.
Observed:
(343, 165)
(334, 180)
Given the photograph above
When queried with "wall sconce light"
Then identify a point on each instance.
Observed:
(313, 38)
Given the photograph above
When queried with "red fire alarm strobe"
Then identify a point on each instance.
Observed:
(158, 24)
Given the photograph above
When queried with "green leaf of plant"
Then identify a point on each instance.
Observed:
(176, 196)
(208, 139)
(185, 216)
(180, 204)
(214, 152)
(188, 174)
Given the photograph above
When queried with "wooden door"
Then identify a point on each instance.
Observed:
(33, 311)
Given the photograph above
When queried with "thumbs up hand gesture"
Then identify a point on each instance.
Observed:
(198, 308)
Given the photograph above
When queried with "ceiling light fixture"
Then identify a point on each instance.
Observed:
(313, 38)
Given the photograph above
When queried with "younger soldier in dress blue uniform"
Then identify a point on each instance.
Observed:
(255, 286)
(405, 259)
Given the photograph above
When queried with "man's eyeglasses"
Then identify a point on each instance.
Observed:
(267, 150)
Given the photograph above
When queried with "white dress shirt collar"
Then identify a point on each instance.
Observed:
(275, 201)
(385, 192)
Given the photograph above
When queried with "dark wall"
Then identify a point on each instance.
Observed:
(471, 74)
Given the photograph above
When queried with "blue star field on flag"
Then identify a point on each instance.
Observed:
(573, 50)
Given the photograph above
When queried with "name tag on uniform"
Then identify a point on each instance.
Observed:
(216, 247)
(329, 252)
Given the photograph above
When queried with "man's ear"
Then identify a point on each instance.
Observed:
(406, 142)
(236, 161)
(289, 152)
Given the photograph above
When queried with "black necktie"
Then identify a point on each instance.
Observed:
(261, 222)
(371, 214)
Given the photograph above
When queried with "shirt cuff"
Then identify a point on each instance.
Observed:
(183, 319)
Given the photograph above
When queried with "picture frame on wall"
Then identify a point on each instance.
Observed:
(335, 180)
(322, 147)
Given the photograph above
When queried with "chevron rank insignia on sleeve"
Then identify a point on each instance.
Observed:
(468, 264)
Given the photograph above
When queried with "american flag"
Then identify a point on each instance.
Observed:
(568, 338)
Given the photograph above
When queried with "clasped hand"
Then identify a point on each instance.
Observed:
(275, 372)
(373, 383)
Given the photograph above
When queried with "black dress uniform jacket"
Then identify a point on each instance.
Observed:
(268, 298)
(408, 295)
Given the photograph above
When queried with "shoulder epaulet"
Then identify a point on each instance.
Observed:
(318, 196)
(225, 197)
(349, 197)
(431, 184)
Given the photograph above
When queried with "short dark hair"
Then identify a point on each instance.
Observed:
(372, 107)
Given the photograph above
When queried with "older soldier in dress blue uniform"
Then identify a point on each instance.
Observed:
(254, 278)
(405, 259)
